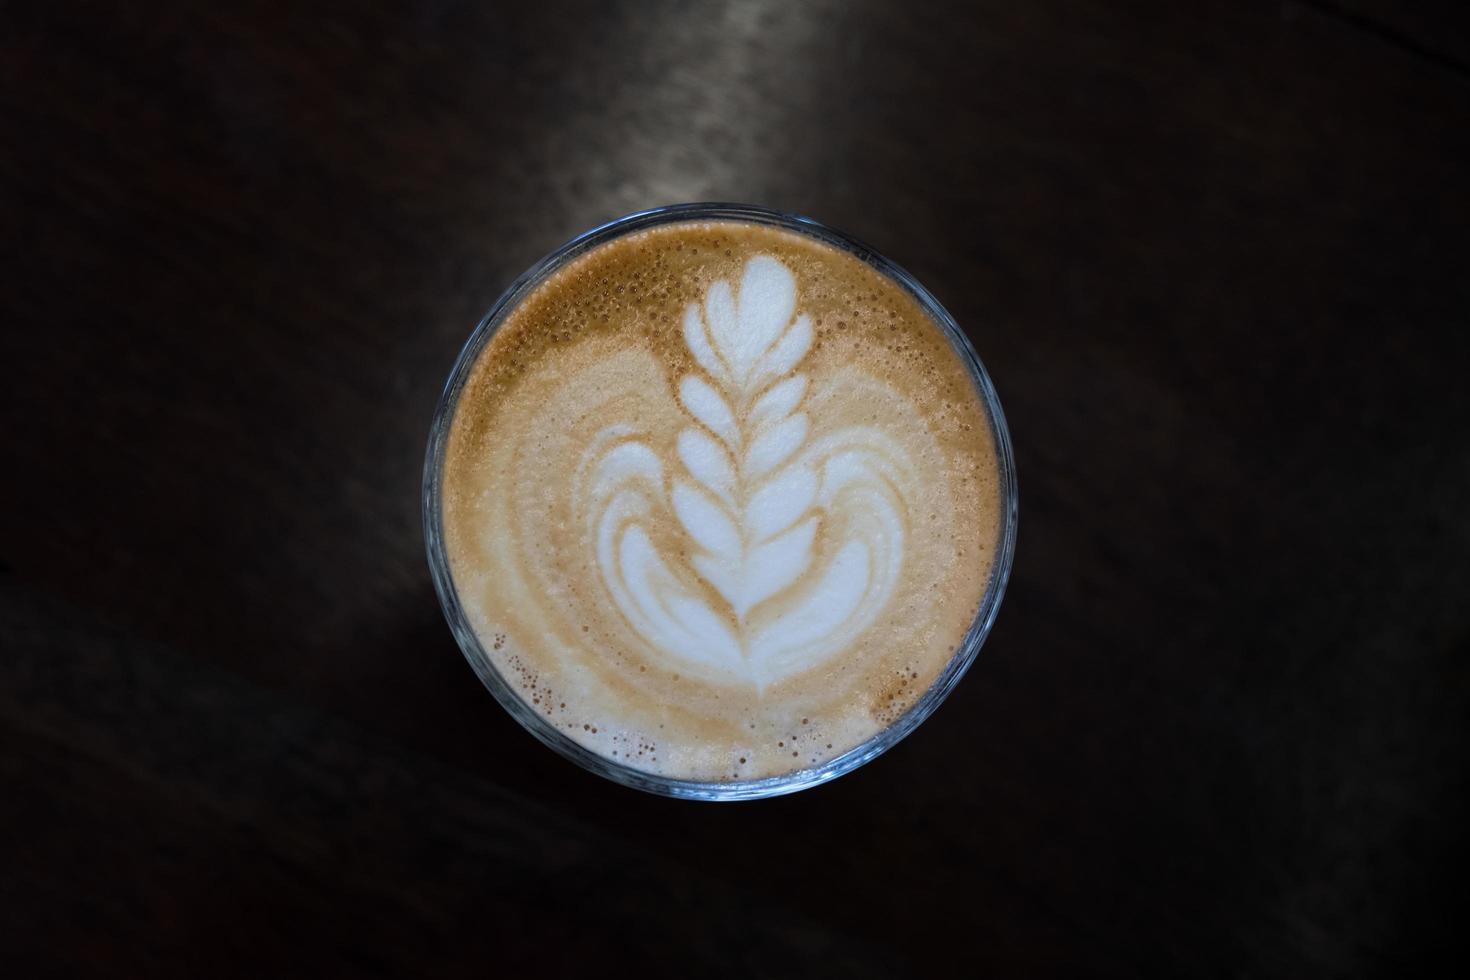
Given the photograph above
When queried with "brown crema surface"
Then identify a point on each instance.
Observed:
(592, 361)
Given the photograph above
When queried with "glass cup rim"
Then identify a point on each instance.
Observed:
(796, 780)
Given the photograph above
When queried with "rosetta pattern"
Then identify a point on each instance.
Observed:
(798, 530)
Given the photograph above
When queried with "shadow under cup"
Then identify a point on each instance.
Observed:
(626, 774)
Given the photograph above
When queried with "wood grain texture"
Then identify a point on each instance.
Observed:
(1213, 256)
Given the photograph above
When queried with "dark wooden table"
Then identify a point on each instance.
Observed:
(1215, 257)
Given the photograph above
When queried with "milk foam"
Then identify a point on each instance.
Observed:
(751, 490)
(736, 520)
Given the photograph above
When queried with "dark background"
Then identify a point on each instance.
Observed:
(1214, 256)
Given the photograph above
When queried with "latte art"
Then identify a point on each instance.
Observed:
(719, 501)
(753, 491)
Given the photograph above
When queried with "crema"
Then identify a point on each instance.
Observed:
(719, 500)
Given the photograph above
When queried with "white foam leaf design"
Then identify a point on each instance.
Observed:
(706, 522)
(779, 503)
(754, 493)
(710, 407)
(784, 558)
(781, 400)
(774, 446)
(699, 345)
(709, 463)
(785, 355)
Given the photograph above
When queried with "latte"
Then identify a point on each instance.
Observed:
(719, 501)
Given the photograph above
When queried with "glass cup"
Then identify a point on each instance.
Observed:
(537, 725)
